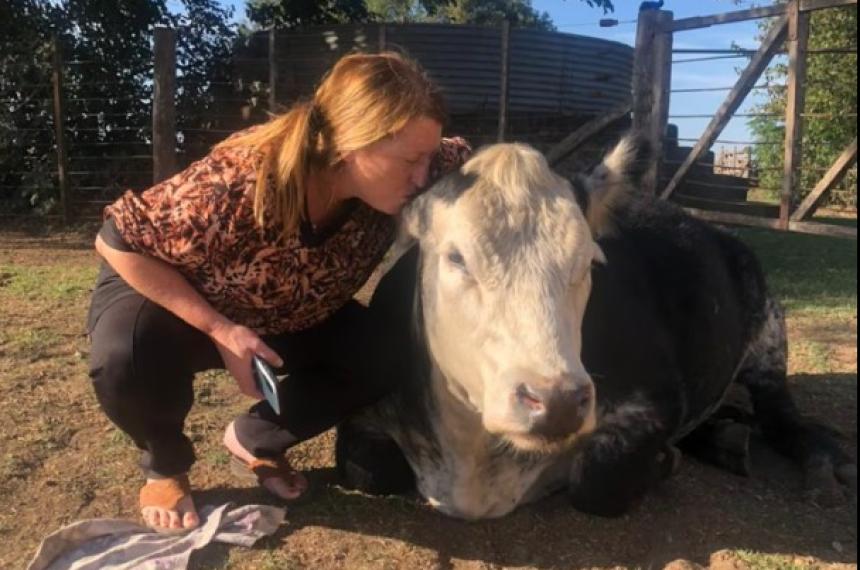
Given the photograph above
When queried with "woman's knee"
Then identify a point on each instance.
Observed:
(112, 353)
(136, 350)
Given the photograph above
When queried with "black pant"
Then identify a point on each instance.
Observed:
(143, 360)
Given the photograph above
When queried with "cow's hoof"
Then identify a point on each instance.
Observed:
(828, 486)
(732, 444)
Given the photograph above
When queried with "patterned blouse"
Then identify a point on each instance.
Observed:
(201, 222)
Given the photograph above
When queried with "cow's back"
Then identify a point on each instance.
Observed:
(671, 313)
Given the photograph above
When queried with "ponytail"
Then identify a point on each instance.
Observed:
(361, 100)
(290, 150)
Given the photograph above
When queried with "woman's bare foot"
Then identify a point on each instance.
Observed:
(166, 504)
(287, 488)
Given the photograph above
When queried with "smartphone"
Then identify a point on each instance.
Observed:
(267, 382)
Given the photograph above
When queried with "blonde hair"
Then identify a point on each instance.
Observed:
(361, 100)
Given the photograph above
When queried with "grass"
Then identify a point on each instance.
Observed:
(49, 282)
(47, 400)
(759, 561)
(30, 341)
(816, 356)
(811, 275)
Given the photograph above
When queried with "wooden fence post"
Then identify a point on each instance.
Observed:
(273, 70)
(164, 106)
(60, 129)
(797, 43)
(652, 85)
(383, 39)
(503, 82)
(643, 98)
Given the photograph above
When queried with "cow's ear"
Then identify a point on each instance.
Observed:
(611, 181)
(599, 256)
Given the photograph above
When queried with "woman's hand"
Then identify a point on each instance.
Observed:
(237, 344)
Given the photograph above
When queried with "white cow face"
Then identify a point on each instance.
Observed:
(506, 260)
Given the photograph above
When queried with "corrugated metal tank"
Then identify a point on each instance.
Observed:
(550, 72)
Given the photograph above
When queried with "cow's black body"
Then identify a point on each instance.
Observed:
(678, 314)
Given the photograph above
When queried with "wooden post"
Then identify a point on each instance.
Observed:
(797, 43)
(663, 92)
(833, 176)
(273, 70)
(164, 106)
(643, 72)
(503, 82)
(772, 43)
(383, 40)
(60, 129)
(652, 85)
(755, 13)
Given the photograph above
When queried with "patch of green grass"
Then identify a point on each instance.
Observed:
(759, 561)
(812, 275)
(844, 222)
(217, 458)
(119, 438)
(58, 283)
(31, 341)
(815, 356)
(279, 560)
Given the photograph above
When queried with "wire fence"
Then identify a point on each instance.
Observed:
(107, 126)
(753, 171)
(107, 133)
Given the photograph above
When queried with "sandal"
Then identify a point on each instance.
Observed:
(166, 494)
(261, 470)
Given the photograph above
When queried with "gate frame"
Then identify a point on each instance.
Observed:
(652, 91)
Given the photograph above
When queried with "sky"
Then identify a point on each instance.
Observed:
(576, 17)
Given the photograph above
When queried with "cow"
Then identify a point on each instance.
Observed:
(568, 335)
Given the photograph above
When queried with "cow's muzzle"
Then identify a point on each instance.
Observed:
(555, 409)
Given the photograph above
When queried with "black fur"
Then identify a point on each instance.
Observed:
(683, 303)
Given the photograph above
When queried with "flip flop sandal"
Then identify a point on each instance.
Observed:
(166, 494)
(261, 470)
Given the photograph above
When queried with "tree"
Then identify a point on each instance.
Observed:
(107, 48)
(26, 137)
(296, 13)
(520, 13)
(831, 95)
(400, 11)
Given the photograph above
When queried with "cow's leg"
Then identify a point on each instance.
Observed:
(370, 461)
(814, 447)
(627, 456)
(722, 442)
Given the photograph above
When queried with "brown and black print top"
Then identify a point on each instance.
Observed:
(201, 222)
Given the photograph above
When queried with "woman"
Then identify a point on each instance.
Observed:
(258, 248)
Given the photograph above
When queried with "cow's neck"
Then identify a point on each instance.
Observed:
(474, 475)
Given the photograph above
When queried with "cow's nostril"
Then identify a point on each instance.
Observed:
(529, 399)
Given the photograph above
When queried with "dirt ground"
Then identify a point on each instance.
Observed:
(62, 461)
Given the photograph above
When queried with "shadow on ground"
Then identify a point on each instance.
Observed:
(700, 511)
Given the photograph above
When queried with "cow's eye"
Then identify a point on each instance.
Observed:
(456, 258)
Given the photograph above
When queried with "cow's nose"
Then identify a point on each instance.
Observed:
(556, 411)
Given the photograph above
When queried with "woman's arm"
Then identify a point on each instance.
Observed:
(164, 285)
